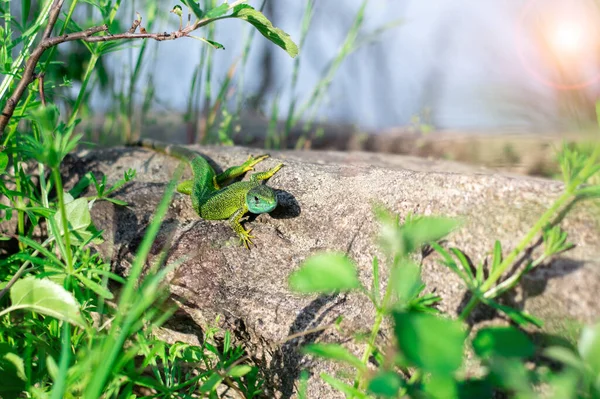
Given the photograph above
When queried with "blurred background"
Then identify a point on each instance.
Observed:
(429, 78)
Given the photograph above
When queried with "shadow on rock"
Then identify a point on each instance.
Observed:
(285, 366)
(535, 282)
(287, 206)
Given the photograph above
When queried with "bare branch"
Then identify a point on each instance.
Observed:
(30, 64)
(32, 61)
(53, 17)
(86, 36)
(41, 89)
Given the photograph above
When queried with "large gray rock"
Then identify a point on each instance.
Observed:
(326, 204)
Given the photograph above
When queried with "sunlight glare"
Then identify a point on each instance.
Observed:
(568, 39)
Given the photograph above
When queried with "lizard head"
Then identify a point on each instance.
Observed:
(261, 199)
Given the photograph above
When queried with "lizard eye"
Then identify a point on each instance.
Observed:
(255, 198)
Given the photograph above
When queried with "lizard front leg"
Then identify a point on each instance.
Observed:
(186, 187)
(236, 171)
(234, 222)
(265, 175)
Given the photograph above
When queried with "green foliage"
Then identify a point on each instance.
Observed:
(419, 342)
(266, 28)
(502, 342)
(325, 273)
(579, 171)
(425, 357)
(403, 295)
(12, 372)
(63, 334)
(45, 297)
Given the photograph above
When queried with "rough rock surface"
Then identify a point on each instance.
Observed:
(326, 204)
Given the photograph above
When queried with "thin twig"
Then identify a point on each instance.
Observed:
(52, 18)
(135, 24)
(41, 89)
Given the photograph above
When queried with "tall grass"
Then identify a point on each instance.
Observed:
(216, 114)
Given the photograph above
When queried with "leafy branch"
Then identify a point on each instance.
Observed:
(239, 10)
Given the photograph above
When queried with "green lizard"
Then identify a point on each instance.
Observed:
(211, 199)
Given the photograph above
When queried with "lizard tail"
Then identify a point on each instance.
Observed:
(168, 149)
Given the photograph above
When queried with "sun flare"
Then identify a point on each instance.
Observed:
(568, 39)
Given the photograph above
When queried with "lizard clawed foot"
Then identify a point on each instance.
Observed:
(276, 169)
(245, 238)
(252, 161)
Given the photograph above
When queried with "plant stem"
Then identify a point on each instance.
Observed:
(19, 200)
(376, 326)
(65, 222)
(512, 280)
(82, 92)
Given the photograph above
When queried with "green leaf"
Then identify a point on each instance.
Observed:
(212, 383)
(217, 11)
(589, 192)
(3, 162)
(212, 43)
(589, 347)
(97, 288)
(117, 201)
(216, 45)
(402, 240)
(303, 385)
(464, 262)
(441, 386)
(511, 374)
(227, 342)
(239, 371)
(12, 373)
(325, 273)
(497, 258)
(177, 10)
(386, 384)
(78, 215)
(503, 342)
(449, 261)
(341, 386)
(46, 117)
(406, 280)
(81, 185)
(195, 9)
(80, 222)
(52, 368)
(333, 352)
(522, 318)
(266, 28)
(564, 385)
(475, 389)
(45, 297)
(565, 356)
(429, 342)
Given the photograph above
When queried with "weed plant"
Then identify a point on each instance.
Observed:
(425, 355)
(63, 333)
